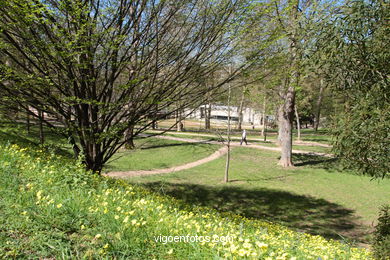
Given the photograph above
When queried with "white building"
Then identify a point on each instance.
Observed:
(220, 114)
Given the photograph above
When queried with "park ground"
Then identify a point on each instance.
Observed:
(317, 196)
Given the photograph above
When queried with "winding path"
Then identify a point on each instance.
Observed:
(215, 155)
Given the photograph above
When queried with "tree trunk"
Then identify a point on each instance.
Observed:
(129, 134)
(207, 116)
(286, 110)
(298, 123)
(179, 124)
(240, 108)
(226, 179)
(319, 103)
(154, 124)
(285, 116)
(41, 134)
(265, 129)
(263, 119)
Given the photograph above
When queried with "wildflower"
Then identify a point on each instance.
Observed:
(24, 213)
(82, 227)
(134, 221)
(105, 246)
(126, 219)
(261, 245)
(98, 236)
(170, 251)
(59, 205)
(39, 194)
(247, 245)
(116, 217)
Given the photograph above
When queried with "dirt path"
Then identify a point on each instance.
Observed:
(215, 155)
(235, 144)
(304, 143)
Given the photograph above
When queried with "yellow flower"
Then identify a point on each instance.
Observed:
(39, 193)
(261, 245)
(126, 219)
(24, 213)
(134, 221)
(59, 205)
(105, 246)
(105, 211)
(170, 251)
(241, 252)
(247, 245)
(82, 227)
(116, 217)
(98, 236)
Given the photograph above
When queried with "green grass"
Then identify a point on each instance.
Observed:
(53, 209)
(154, 153)
(268, 144)
(315, 196)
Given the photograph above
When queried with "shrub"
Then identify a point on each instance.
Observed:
(381, 243)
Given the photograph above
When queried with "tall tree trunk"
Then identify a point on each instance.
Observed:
(298, 122)
(179, 124)
(286, 110)
(41, 134)
(286, 116)
(129, 138)
(207, 116)
(319, 103)
(226, 179)
(240, 108)
(154, 125)
(263, 118)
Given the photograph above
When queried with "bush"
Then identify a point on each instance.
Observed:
(381, 244)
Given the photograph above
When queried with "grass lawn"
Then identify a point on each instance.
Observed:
(314, 196)
(236, 138)
(154, 153)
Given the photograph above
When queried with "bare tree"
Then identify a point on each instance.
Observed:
(100, 67)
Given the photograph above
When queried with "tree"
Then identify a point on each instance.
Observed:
(358, 62)
(102, 67)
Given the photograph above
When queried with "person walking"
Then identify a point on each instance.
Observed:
(243, 138)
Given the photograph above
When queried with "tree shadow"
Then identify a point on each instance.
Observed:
(53, 142)
(317, 161)
(171, 145)
(301, 213)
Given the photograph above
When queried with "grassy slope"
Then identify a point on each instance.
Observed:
(51, 208)
(314, 196)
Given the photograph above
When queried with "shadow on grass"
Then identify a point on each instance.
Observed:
(53, 142)
(316, 161)
(170, 145)
(302, 213)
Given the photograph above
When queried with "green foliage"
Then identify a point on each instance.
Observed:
(381, 244)
(359, 68)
